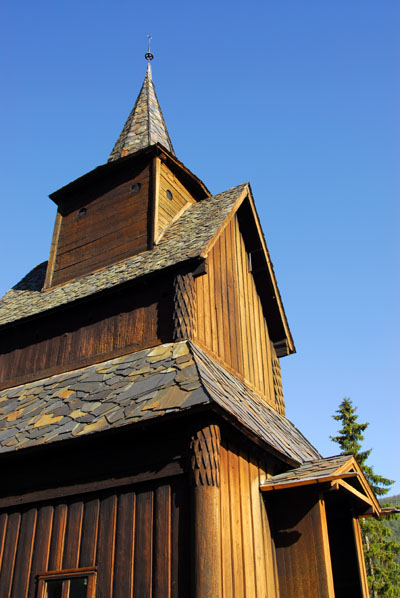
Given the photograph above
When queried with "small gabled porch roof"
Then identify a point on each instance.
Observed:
(340, 472)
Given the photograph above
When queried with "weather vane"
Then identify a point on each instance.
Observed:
(149, 56)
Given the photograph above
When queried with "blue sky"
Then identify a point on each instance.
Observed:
(299, 98)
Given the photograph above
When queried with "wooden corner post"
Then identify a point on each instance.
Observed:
(205, 466)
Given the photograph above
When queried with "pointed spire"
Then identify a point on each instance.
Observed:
(145, 125)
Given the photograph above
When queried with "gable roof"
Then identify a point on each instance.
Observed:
(337, 472)
(171, 378)
(145, 125)
(199, 223)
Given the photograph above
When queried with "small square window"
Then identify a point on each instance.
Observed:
(74, 583)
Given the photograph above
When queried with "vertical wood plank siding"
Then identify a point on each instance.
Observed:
(137, 538)
(83, 335)
(115, 226)
(230, 319)
(301, 544)
(248, 560)
(168, 208)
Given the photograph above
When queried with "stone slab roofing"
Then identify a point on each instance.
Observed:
(199, 223)
(149, 384)
(311, 471)
(145, 125)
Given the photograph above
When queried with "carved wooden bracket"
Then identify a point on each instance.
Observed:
(205, 449)
(184, 306)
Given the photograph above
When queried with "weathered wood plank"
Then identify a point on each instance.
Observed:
(73, 535)
(124, 546)
(162, 543)
(236, 523)
(58, 536)
(3, 529)
(41, 549)
(226, 540)
(10, 550)
(143, 545)
(90, 528)
(23, 559)
(180, 531)
(106, 545)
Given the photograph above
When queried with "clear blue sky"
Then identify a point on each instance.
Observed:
(299, 98)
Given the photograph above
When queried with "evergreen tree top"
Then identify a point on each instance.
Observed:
(350, 438)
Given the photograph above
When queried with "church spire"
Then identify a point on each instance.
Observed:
(145, 125)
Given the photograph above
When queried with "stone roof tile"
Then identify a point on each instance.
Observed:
(199, 223)
(145, 125)
(162, 388)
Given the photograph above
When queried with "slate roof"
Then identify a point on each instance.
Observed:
(144, 385)
(145, 125)
(199, 223)
(310, 471)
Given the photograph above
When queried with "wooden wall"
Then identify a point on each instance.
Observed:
(115, 226)
(115, 324)
(301, 542)
(137, 538)
(248, 558)
(230, 319)
(169, 208)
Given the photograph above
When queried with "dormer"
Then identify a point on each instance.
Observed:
(123, 207)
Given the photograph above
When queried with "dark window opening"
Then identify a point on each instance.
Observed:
(82, 213)
(169, 194)
(64, 584)
(135, 188)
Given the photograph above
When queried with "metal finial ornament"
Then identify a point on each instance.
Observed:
(149, 56)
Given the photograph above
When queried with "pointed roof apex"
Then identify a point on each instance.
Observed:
(145, 125)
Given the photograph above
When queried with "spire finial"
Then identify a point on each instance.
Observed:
(149, 56)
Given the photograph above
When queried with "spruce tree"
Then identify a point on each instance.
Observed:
(380, 547)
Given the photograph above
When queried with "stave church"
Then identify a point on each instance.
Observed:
(143, 440)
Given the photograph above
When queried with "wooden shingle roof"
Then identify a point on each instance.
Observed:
(171, 378)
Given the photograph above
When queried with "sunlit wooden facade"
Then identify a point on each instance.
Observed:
(142, 419)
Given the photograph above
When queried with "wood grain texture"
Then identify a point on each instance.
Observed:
(89, 536)
(41, 548)
(9, 553)
(139, 318)
(169, 208)
(162, 543)
(231, 324)
(248, 561)
(124, 546)
(22, 567)
(143, 566)
(106, 545)
(205, 465)
(73, 535)
(58, 536)
(299, 531)
(3, 529)
(115, 226)
(137, 537)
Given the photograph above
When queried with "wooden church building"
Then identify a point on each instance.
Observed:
(144, 447)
